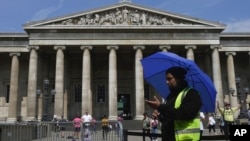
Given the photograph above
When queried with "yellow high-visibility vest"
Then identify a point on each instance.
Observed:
(186, 130)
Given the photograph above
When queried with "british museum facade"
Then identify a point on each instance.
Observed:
(91, 61)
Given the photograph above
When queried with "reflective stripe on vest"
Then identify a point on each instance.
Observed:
(186, 130)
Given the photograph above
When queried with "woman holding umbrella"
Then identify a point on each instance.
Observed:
(180, 113)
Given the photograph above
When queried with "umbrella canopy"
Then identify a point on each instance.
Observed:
(155, 66)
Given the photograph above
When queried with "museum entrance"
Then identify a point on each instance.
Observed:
(123, 106)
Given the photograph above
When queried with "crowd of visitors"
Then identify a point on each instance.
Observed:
(86, 125)
(151, 124)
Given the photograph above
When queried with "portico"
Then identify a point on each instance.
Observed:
(91, 61)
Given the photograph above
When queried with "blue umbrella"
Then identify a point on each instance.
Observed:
(155, 66)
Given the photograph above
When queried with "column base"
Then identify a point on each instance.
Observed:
(139, 117)
(29, 119)
(112, 117)
(39, 119)
(11, 120)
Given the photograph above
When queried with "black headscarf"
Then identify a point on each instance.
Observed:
(179, 73)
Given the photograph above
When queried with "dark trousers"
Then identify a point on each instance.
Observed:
(226, 128)
(201, 132)
(104, 132)
(146, 132)
(222, 129)
(211, 127)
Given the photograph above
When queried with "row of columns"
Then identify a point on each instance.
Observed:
(60, 100)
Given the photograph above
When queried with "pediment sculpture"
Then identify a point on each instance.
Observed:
(123, 16)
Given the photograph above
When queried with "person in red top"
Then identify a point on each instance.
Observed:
(77, 124)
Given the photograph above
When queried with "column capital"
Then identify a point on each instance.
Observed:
(216, 46)
(15, 54)
(112, 47)
(33, 47)
(138, 47)
(59, 47)
(86, 47)
(230, 53)
(162, 47)
(190, 46)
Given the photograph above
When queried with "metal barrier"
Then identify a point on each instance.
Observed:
(60, 131)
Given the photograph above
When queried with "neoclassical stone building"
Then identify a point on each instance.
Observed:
(91, 60)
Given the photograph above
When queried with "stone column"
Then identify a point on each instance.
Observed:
(59, 80)
(190, 52)
(12, 113)
(112, 82)
(231, 80)
(165, 48)
(32, 83)
(139, 83)
(86, 80)
(217, 75)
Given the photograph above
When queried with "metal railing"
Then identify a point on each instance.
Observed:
(59, 131)
(62, 131)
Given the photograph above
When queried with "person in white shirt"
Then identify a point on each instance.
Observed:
(86, 119)
(211, 124)
(202, 117)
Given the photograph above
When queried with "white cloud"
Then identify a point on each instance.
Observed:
(239, 26)
(43, 14)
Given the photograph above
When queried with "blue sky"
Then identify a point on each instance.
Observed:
(233, 13)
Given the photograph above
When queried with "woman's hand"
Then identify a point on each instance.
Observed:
(155, 113)
(153, 103)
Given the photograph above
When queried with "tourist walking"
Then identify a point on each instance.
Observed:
(222, 125)
(62, 126)
(77, 125)
(105, 126)
(117, 125)
(154, 127)
(211, 124)
(86, 119)
(146, 127)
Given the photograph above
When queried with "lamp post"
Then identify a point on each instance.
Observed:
(46, 95)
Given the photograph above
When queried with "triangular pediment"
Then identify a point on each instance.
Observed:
(123, 15)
